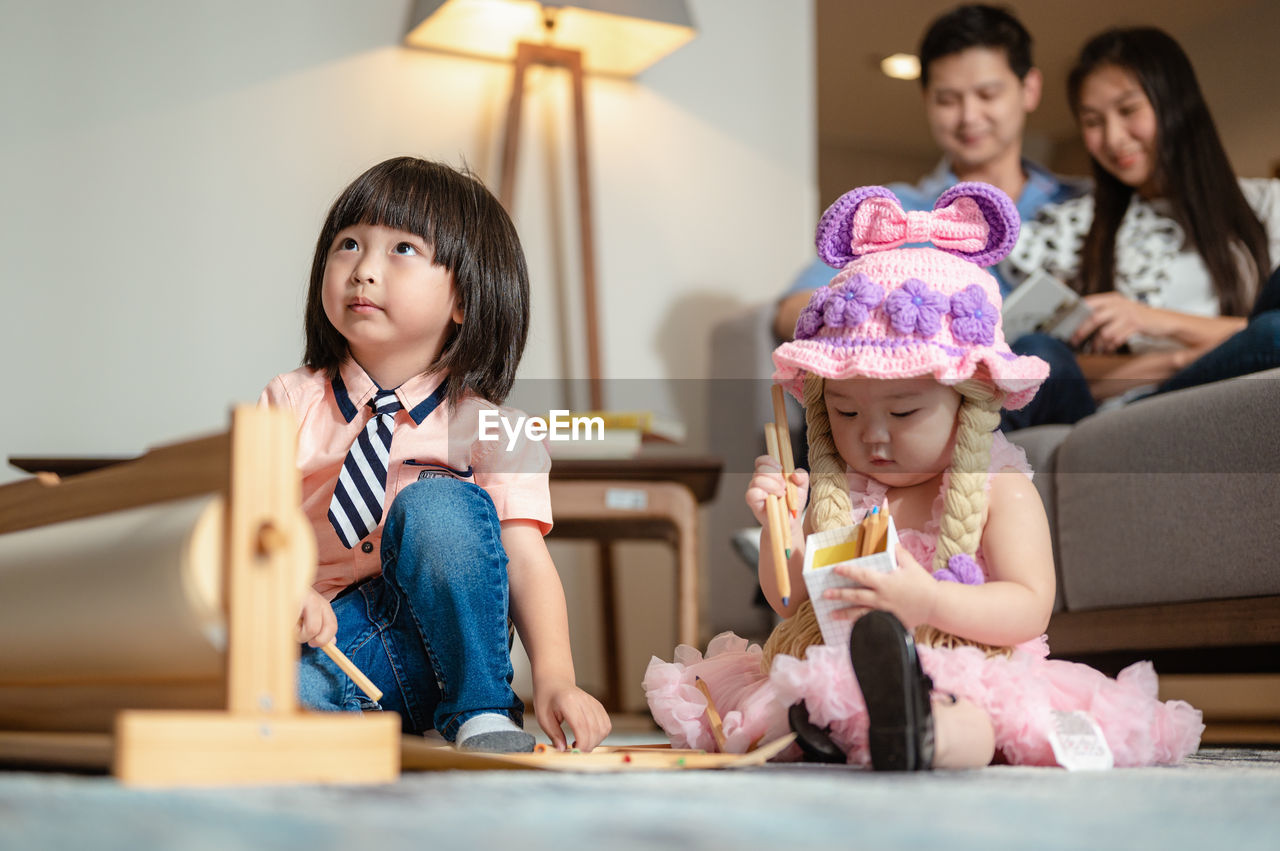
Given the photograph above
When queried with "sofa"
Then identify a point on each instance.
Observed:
(1165, 518)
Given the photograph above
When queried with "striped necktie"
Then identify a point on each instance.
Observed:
(357, 501)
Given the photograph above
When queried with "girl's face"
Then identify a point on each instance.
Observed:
(899, 432)
(386, 296)
(1119, 127)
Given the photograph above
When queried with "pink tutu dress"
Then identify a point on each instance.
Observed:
(1019, 692)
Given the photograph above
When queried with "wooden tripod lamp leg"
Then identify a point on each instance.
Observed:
(571, 60)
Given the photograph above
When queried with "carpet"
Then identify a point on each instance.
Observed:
(1219, 798)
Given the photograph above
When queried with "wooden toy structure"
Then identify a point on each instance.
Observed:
(147, 616)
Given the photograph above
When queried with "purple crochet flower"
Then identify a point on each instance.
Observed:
(852, 302)
(809, 322)
(961, 568)
(973, 316)
(915, 307)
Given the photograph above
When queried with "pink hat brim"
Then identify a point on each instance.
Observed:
(1018, 377)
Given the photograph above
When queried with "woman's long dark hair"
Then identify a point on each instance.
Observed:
(1194, 173)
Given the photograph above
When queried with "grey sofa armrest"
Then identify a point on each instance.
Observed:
(1172, 499)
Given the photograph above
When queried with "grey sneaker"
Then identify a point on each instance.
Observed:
(499, 741)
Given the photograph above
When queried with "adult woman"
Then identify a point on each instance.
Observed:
(1170, 250)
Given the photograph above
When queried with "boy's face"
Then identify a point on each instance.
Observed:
(977, 107)
(387, 297)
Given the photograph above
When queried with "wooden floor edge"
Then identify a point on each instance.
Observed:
(74, 751)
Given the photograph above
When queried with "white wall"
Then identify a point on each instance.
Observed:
(165, 167)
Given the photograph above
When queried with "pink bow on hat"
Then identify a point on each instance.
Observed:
(879, 224)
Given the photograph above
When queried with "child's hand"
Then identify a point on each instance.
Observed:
(568, 704)
(317, 625)
(909, 593)
(767, 480)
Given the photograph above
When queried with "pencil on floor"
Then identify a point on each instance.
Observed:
(785, 453)
(717, 727)
(772, 444)
(348, 667)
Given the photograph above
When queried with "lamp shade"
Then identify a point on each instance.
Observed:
(615, 37)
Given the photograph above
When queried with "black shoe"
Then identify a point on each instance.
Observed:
(896, 692)
(816, 743)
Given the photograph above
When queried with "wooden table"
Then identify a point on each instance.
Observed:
(654, 495)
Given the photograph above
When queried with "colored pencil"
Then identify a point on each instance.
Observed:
(772, 444)
(869, 532)
(717, 727)
(781, 562)
(785, 453)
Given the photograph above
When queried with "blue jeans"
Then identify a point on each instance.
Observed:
(431, 632)
(1063, 398)
(1254, 349)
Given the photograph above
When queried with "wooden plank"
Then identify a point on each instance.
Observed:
(164, 473)
(82, 751)
(1226, 697)
(1209, 623)
(1240, 733)
(419, 755)
(264, 548)
(92, 707)
(161, 749)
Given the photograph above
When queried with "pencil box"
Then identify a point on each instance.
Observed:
(823, 552)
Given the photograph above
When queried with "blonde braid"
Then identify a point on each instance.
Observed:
(829, 508)
(965, 500)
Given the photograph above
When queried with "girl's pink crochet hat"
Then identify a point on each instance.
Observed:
(895, 312)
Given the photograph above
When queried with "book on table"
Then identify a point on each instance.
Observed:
(610, 434)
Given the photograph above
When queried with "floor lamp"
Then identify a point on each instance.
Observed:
(618, 38)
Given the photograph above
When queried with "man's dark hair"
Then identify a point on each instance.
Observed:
(976, 25)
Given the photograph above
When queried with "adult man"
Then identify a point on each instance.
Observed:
(979, 85)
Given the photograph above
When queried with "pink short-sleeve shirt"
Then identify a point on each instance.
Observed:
(428, 441)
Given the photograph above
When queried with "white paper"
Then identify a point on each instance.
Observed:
(835, 631)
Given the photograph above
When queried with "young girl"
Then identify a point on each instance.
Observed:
(902, 369)
(416, 317)
(1170, 250)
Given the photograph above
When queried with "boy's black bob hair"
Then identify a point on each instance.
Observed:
(472, 237)
(976, 25)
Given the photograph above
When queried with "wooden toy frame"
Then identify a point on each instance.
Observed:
(258, 734)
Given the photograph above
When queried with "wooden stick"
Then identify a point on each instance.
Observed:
(771, 442)
(781, 566)
(348, 667)
(717, 727)
(786, 454)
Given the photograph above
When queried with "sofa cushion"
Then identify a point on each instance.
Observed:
(1173, 498)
